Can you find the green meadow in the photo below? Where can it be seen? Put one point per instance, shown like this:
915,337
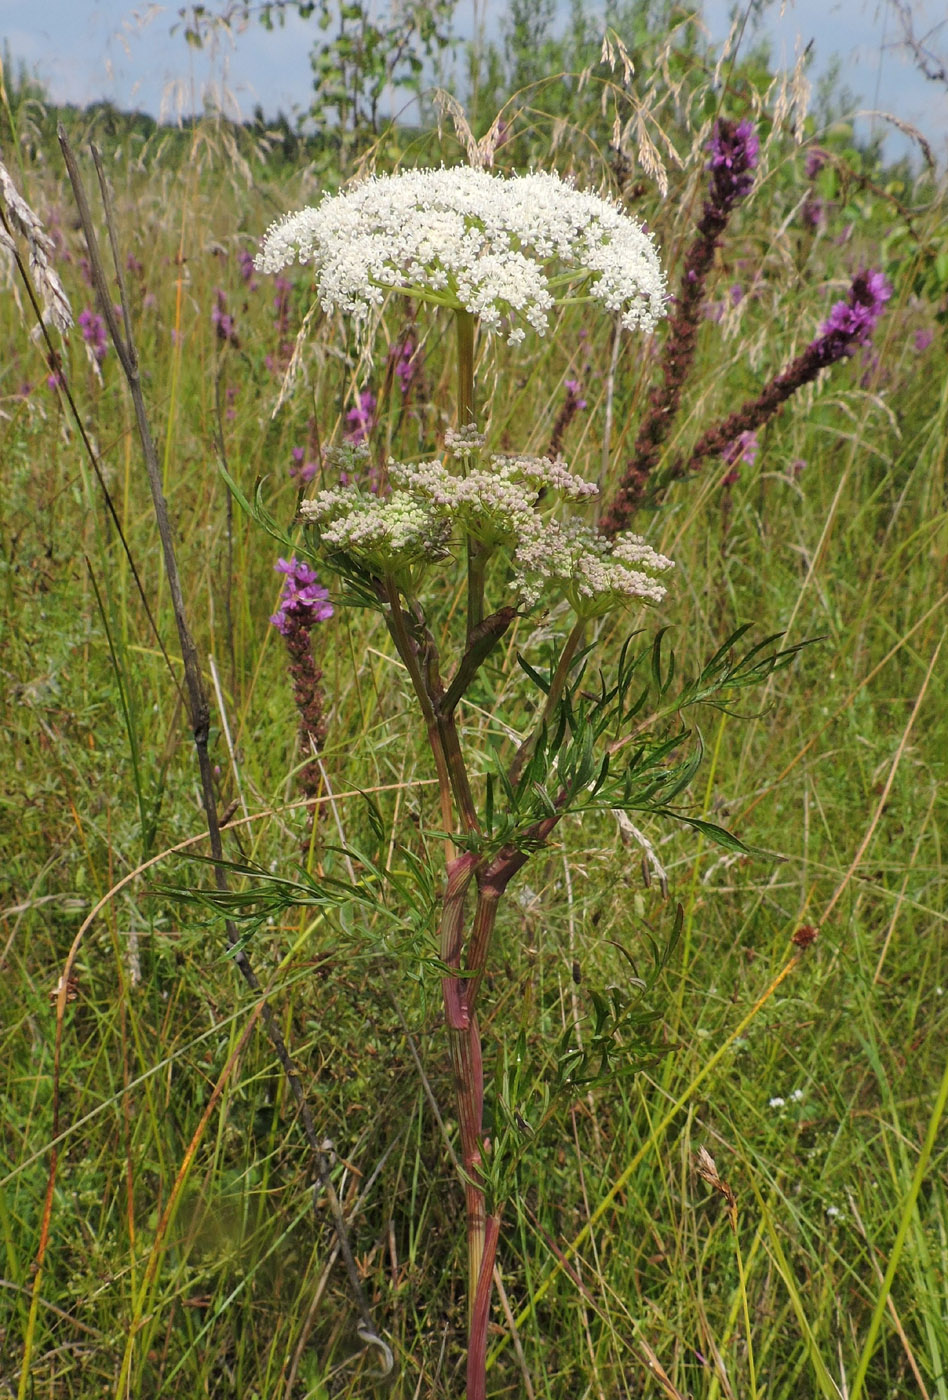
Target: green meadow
159,1232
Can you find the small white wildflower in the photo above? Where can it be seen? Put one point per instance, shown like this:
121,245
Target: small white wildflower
833,1212
776,1102
546,473
505,250
430,507
496,505
464,442
574,560
797,1096
491,508
386,536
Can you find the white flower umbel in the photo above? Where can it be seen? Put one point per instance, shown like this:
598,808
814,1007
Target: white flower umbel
395,536
496,505
506,250
571,559
432,510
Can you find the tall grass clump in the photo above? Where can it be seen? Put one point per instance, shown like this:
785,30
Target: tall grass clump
604,948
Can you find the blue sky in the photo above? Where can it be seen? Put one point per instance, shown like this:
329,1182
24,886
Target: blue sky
88,49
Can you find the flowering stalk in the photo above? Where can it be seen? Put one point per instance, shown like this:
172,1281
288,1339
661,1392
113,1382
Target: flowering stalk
734,150
850,325
499,254
572,404
433,512
303,603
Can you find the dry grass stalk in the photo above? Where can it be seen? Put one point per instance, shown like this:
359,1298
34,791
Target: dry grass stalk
18,217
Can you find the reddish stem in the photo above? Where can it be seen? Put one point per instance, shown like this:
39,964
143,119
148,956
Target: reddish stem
469,1085
480,1314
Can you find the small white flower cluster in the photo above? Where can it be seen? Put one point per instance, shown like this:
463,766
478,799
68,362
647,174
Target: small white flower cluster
464,442
497,506
547,474
573,559
777,1102
386,536
505,250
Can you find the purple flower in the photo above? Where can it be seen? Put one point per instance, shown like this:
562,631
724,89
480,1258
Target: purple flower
922,339
575,391
93,333
222,320
133,265
245,263
816,158
851,322
744,448
303,598
812,212
737,294
408,359
797,467
734,150
301,469
361,419
573,403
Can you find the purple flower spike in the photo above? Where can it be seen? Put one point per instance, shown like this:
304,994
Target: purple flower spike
816,158
93,333
407,357
744,448
361,419
850,325
245,263
303,599
573,403
734,150
575,390
812,212
851,322
222,320
301,469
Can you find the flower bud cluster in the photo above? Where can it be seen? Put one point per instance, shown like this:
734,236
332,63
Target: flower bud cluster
505,250
431,510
